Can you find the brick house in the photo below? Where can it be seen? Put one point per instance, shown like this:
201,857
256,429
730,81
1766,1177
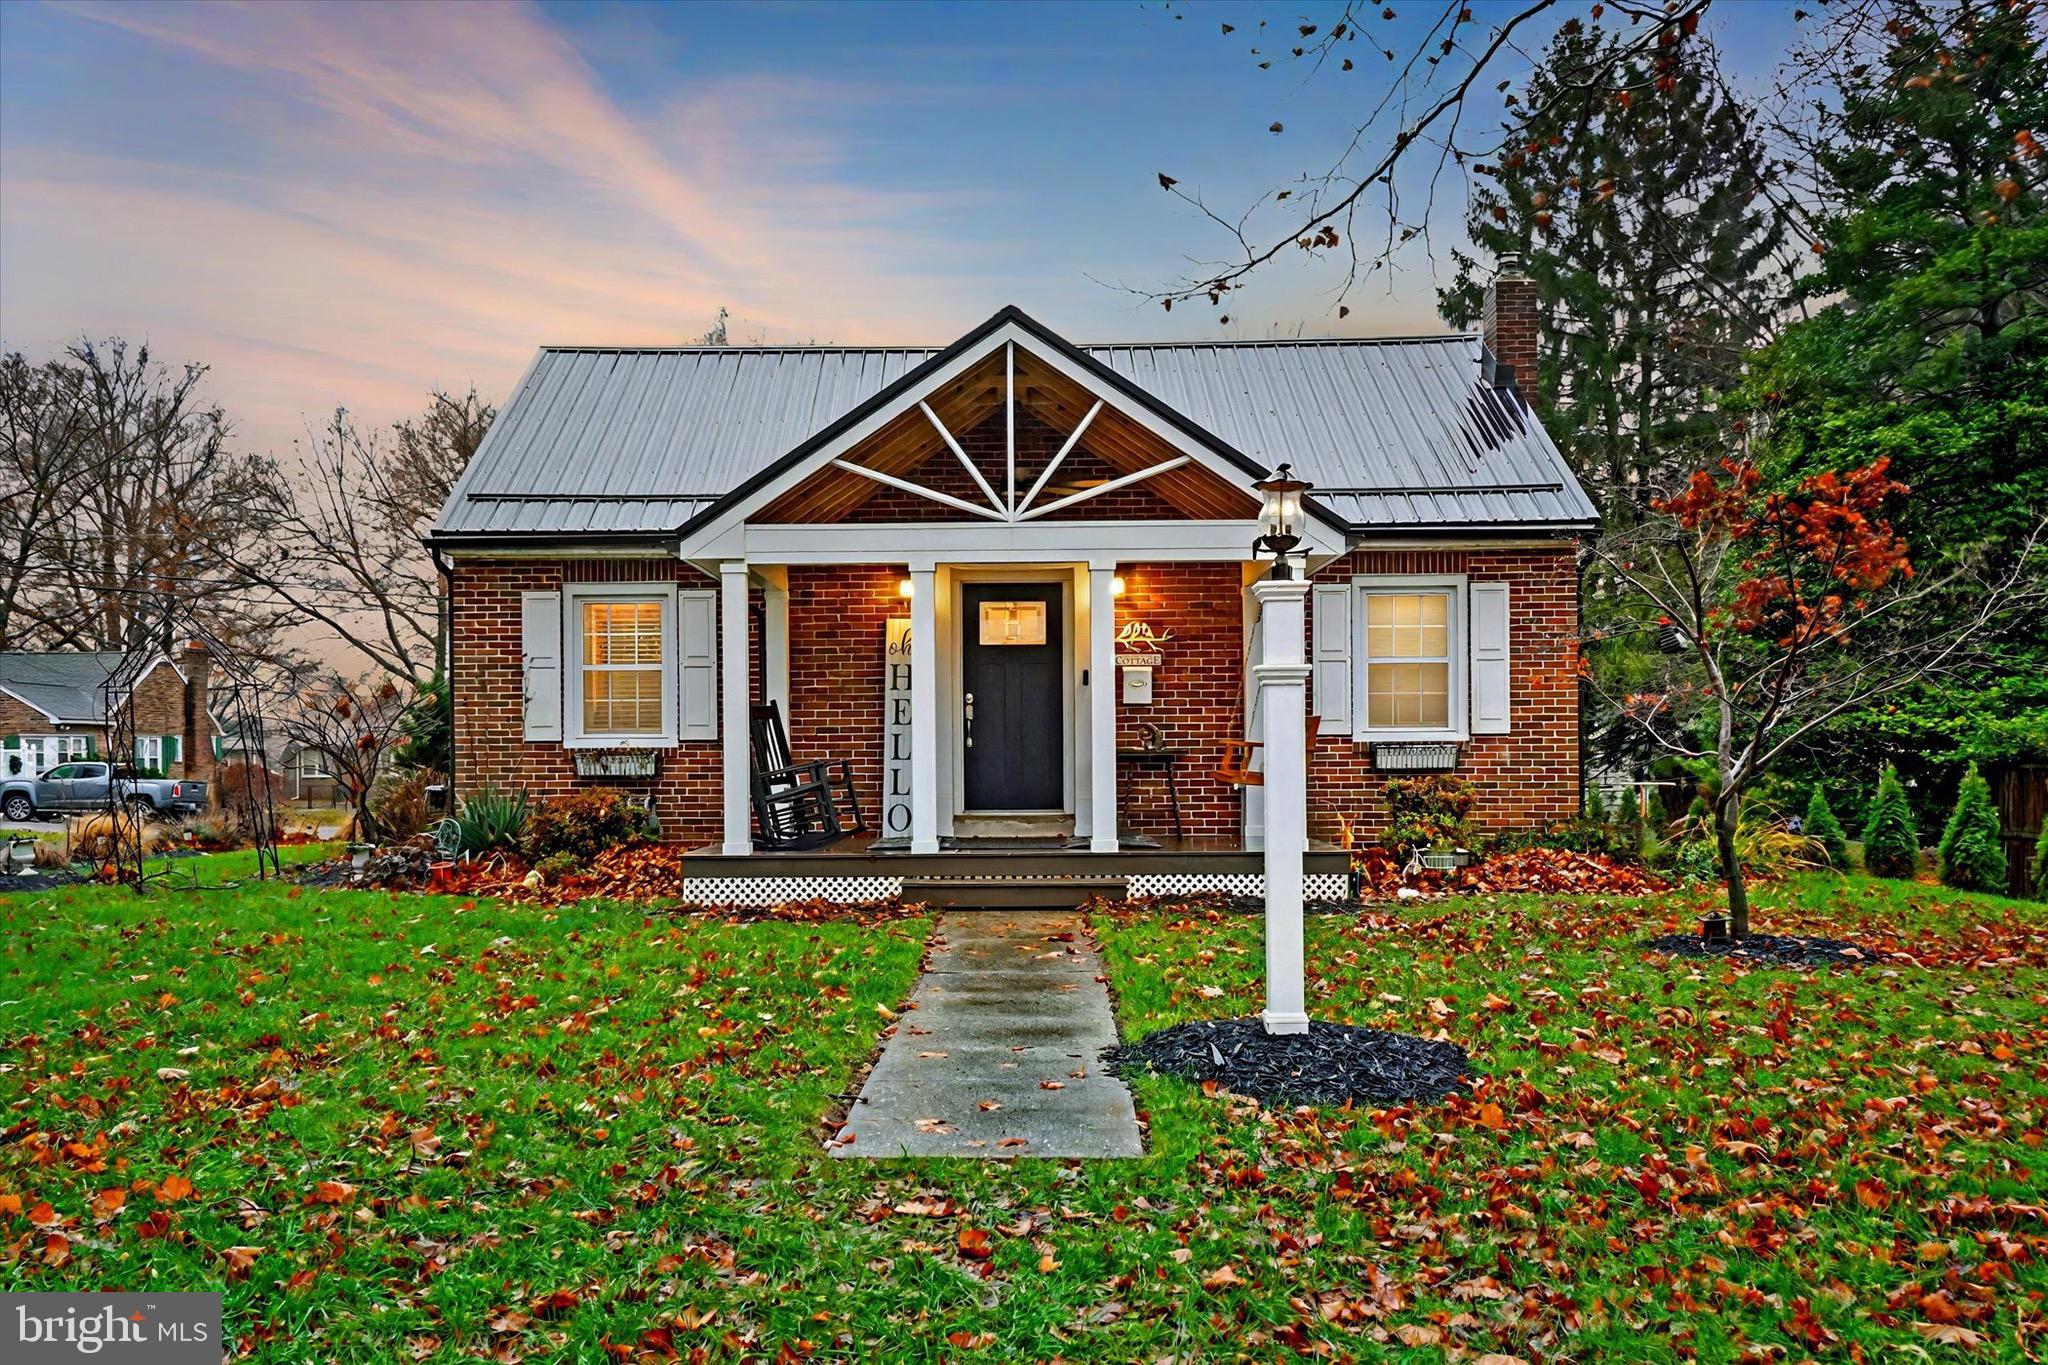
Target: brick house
53,709
1007,582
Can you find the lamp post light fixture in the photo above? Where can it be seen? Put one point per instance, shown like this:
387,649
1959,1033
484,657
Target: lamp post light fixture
1280,519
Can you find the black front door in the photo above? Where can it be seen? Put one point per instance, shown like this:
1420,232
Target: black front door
1013,706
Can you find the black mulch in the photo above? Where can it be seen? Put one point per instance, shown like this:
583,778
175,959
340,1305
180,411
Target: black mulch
1330,1064
46,879
1768,950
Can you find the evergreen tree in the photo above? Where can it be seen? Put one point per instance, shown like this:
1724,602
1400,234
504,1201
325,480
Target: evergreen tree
1891,842
1821,825
1972,856
1654,250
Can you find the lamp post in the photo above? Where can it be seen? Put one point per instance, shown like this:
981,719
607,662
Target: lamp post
1282,677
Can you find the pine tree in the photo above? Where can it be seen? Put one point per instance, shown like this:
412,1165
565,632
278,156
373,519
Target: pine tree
1972,856
1821,825
1654,251
1891,842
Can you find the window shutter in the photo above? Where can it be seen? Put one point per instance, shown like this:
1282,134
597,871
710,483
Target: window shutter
541,666
170,750
1331,640
697,663
1489,658
92,747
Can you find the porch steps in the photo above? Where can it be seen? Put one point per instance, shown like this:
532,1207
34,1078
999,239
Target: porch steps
989,893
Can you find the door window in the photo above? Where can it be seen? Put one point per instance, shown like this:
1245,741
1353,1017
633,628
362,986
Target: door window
1013,623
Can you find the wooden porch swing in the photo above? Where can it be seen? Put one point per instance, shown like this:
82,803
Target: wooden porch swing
1235,767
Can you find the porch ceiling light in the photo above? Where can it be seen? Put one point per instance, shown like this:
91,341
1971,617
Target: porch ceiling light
1280,519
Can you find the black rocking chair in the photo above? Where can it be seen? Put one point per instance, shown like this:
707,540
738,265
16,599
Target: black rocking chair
798,805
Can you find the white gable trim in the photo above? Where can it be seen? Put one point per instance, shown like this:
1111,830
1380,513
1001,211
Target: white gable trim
716,537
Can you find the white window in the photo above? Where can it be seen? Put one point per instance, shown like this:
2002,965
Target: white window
622,688
1410,657
312,763
69,747
149,752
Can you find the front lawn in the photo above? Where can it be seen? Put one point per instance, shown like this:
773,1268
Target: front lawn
415,1127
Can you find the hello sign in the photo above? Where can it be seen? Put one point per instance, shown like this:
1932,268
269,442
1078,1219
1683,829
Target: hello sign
896,728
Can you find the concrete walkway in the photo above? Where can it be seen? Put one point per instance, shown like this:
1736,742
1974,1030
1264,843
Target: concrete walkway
999,1056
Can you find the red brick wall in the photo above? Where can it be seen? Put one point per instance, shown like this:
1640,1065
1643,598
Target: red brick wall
489,722
836,625
838,619
1197,694
1527,777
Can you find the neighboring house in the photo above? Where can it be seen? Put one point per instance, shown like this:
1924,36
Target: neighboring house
651,539
53,709
309,777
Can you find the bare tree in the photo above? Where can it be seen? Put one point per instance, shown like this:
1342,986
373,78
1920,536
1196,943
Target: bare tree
1355,206
350,511
352,724
45,425
145,504
1780,612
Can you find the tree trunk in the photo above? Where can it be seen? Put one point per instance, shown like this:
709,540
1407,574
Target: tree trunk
1727,817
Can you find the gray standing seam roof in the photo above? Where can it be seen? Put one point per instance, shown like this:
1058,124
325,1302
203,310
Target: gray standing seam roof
65,685
1394,433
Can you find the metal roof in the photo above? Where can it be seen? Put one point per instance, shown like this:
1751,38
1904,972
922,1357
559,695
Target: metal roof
1395,433
66,686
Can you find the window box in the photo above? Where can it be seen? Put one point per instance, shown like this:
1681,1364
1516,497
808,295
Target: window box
1414,758
618,762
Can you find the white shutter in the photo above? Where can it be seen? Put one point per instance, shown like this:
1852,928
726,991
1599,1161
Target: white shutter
1331,641
1489,658
541,663
697,662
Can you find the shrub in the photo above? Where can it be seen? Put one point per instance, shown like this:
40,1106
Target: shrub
1823,828
1698,861
1429,810
245,793
1623,841
1891,842
489,820
556,866
2041,864
1972,856
583,824
400,805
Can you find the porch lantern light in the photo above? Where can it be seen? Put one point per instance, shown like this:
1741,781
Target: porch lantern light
1280,520
1116,586
904,589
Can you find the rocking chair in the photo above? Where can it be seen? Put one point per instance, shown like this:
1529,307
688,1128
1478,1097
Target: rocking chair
798,805
1235,766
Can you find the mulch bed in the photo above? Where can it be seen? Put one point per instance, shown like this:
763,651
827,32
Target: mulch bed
1766,950
1330,1064
46,879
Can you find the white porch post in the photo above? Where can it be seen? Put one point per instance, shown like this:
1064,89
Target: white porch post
734,729
1282,674
1102,836
924,711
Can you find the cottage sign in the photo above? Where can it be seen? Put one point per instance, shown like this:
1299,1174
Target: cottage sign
1137,645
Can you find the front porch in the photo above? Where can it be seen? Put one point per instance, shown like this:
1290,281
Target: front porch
997,872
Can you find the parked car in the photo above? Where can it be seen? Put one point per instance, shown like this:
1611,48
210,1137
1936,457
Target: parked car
83,787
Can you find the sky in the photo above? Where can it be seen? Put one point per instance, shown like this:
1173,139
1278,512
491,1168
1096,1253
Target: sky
354,204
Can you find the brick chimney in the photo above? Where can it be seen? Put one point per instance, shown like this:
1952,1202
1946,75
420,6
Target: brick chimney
197,741
1508,325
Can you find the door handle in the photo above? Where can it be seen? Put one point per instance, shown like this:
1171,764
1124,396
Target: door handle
967,713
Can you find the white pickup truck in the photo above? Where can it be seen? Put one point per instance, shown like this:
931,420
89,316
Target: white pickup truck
72,787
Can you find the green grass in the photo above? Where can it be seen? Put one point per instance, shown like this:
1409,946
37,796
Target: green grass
554,1131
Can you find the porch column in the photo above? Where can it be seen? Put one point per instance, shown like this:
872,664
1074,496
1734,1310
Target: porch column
1282,675
924,711
734,727
1102,836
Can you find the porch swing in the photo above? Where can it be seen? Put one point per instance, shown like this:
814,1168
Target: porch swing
1235,767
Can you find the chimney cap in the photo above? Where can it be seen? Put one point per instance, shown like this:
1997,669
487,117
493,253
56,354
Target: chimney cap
194,647
1509,266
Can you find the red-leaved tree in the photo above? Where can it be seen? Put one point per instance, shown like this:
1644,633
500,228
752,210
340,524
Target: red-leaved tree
1776,612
